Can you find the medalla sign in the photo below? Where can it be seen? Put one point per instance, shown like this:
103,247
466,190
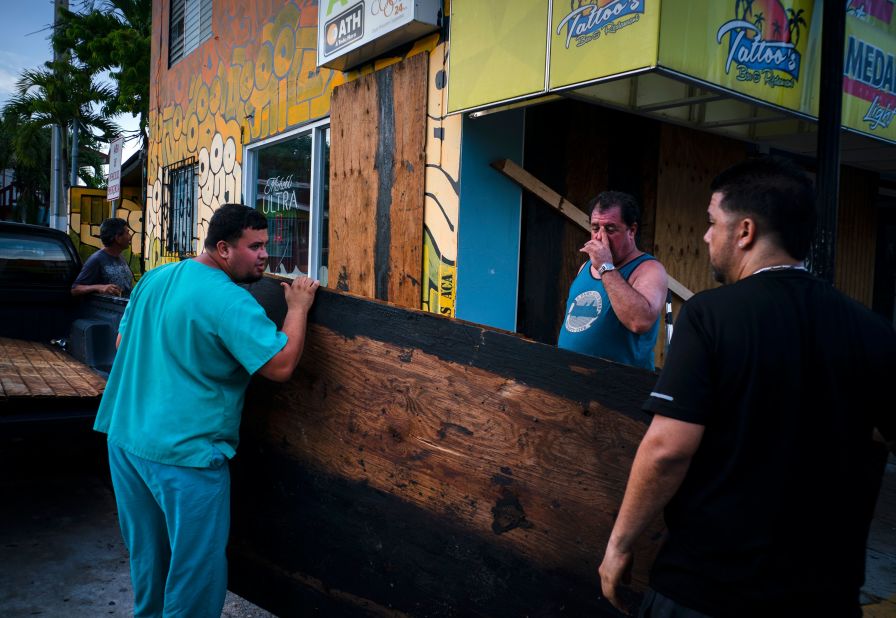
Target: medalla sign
351,32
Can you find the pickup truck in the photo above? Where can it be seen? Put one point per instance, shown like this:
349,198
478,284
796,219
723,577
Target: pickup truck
55,350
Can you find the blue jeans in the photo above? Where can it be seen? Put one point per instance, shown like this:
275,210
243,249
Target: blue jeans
175,522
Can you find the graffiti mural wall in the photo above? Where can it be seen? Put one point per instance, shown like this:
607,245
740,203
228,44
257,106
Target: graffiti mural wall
89,208
256,77
443,135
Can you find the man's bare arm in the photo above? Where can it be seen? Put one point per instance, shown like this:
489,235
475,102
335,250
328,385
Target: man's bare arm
639,301
659,468
98,288
299,298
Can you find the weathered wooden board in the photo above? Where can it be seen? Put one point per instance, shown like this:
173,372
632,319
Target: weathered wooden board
30,369
856,234
688,161
377,169
417,465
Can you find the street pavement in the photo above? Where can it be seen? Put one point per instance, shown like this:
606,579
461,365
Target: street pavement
61,552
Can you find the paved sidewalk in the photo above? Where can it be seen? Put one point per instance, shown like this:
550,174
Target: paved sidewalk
61,552
879,592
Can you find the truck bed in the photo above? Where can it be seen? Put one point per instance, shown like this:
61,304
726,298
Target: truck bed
38,381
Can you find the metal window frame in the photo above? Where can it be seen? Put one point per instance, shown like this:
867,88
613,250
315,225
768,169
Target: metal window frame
179,225
317,130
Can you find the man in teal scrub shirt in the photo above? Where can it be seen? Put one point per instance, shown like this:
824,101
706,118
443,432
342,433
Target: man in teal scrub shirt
189,341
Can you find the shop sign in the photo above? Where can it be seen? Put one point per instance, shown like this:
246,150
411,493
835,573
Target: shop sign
757,48
869,69
351,32
595,40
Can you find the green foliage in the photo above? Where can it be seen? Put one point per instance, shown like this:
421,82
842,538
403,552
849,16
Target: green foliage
25,148
113,36
61,93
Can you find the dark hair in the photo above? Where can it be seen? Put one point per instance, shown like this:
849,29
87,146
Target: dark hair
778,194
230,220
110,228
628,205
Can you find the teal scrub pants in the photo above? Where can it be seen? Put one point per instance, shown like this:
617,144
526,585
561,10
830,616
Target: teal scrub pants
175,522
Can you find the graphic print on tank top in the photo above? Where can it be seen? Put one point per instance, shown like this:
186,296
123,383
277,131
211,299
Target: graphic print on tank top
583,311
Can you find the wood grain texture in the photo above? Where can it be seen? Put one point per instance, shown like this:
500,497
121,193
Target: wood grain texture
377,168
29,369
405,250
434,467
856,234
688,162
353,186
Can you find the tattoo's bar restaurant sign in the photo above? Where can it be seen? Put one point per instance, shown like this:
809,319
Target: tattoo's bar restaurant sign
351,32
766,51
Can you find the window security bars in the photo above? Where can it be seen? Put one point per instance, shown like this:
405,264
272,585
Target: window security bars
179,209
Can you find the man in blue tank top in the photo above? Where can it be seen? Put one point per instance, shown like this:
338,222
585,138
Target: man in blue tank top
614,304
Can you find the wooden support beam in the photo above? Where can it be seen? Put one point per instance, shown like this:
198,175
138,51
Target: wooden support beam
532,184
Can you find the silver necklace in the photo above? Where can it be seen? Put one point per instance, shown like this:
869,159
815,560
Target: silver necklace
781,267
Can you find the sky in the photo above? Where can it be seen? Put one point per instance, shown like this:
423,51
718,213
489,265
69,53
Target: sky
24,44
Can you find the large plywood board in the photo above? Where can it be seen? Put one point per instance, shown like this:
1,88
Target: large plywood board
377,168
419,465
689,160
856,234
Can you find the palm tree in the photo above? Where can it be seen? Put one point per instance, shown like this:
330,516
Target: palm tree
113,36
776,30
26,150
748,8
61,94
794,21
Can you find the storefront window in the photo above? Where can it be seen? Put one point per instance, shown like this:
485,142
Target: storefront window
290,189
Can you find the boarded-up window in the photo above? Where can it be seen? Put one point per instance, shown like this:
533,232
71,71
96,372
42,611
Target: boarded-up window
190,24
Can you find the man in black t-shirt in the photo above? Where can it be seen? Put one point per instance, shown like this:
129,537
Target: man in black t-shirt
761,449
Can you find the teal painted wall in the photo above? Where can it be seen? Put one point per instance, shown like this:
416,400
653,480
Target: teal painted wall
488,241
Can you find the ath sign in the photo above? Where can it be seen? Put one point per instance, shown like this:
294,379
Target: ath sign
351,32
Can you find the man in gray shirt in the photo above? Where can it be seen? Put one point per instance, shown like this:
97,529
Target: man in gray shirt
106,272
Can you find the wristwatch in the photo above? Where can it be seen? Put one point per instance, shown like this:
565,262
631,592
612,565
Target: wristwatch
604,268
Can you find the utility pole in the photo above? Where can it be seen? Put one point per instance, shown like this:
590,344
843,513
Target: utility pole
58,208
76,129
830,106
